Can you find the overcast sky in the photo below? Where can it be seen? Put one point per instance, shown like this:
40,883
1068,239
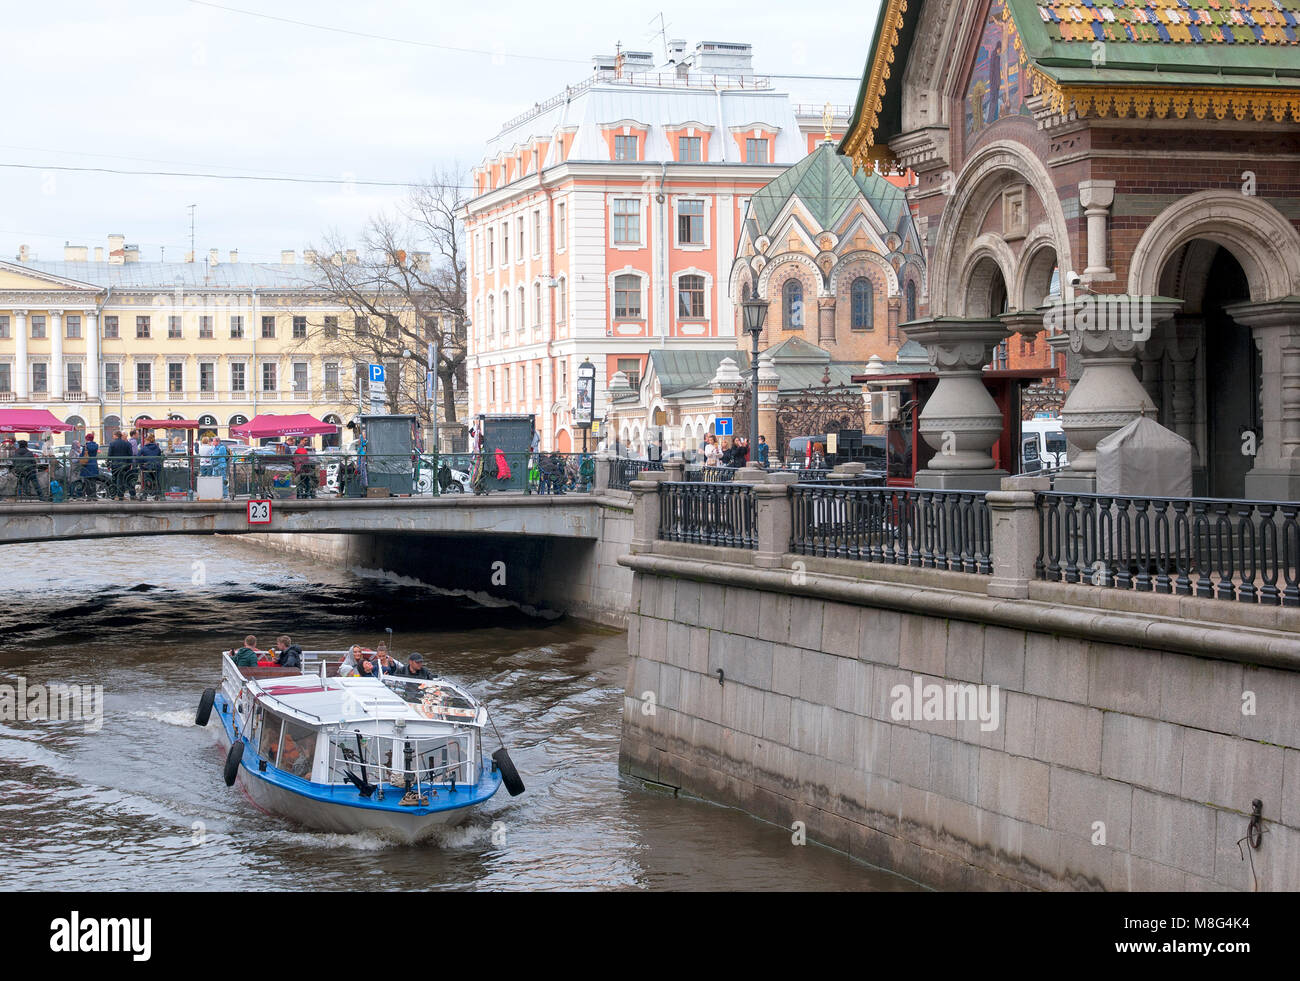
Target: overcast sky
185,86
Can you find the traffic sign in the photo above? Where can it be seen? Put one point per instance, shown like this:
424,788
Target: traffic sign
259,512
376,374
722,427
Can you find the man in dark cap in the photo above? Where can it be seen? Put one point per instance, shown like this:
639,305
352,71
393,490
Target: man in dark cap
414,668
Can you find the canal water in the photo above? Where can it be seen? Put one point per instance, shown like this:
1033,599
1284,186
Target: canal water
140,804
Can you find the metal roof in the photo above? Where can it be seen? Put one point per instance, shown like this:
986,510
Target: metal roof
188,275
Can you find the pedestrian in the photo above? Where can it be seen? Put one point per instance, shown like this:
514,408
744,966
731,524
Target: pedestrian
762,452
217,463
89,473
710,450
205,456
120,459
151,465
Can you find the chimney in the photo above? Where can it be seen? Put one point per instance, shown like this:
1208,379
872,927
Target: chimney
288,258
116,249
352,257
75,253
23,253
99,253
131,253
234,255
212,257
309,256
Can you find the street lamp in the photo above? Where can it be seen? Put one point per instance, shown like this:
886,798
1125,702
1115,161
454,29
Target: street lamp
755,312
585,411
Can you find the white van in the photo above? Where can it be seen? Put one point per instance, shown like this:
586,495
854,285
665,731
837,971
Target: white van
1042,446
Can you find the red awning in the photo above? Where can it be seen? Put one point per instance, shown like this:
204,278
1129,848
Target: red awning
270,424
32,421
167,424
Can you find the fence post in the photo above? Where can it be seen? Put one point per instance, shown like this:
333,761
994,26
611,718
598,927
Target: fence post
601,484
674,471
1014,533
774,520
645,511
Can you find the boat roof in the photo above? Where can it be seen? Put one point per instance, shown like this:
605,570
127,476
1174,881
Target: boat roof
345,701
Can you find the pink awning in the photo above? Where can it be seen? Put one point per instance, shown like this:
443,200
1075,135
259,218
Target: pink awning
269,424
31,421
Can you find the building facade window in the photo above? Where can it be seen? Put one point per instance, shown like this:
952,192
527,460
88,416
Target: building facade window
268,328
4,328
523,309
690,223
173,327
6,379
627,297
268,377
690,297
236,328
74,379
207,376
563,229
537,232
112,377
144,378
175,377
110,328
492,316
142,327
300,327
792,305
627,221
300,377
505,314
911,300
72,327
632,368
564,378
331,328
625,148
537,304
756,151
331,378
863,304
561,301
238,377
206,328
505,244
38,326
40,377
688,149
519,235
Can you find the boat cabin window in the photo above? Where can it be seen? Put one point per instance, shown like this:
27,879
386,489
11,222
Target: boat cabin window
266,731
297,749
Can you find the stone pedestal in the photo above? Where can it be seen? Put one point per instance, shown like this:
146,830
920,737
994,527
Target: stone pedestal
774,520
1107,333
961,422
1276,326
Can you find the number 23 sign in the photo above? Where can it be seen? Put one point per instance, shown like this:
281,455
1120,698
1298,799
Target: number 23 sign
259,512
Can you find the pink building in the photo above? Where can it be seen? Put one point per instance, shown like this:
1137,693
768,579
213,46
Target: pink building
605,220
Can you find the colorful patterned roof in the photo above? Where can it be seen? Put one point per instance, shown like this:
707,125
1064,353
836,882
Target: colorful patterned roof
1255,22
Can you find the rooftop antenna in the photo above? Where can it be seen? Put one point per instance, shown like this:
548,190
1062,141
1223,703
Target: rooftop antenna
618,59
192,207
663,34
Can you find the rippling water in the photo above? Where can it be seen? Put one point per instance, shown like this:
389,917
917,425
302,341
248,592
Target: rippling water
140,804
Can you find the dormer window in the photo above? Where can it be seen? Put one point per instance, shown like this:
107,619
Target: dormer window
625,148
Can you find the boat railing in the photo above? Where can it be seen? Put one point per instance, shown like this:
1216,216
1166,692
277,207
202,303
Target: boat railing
345,757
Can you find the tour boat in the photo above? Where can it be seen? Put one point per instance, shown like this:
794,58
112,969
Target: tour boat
392,755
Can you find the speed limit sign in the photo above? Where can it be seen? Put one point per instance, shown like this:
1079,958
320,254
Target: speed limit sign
259,512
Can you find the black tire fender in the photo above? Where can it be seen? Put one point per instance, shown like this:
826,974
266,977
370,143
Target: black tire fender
205,706
233,757
509,775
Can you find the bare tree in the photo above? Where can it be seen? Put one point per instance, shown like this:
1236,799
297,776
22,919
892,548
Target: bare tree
404,287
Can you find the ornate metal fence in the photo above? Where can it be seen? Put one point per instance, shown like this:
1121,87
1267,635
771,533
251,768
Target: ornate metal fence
622,472
713,513
929,529
1248,551
711,475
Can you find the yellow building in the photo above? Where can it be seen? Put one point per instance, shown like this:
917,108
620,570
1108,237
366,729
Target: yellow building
102,343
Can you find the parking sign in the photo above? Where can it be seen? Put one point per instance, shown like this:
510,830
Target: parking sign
376,374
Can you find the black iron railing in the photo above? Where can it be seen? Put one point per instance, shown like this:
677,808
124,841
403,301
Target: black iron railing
710,475
622,472
1248,551
929,529
709,513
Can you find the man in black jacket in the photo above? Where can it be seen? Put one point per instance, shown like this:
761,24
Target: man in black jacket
414,669
120,459
288,654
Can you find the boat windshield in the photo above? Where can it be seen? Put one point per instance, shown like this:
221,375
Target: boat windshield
434,699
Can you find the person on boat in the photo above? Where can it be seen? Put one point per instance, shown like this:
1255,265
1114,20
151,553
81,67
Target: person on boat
414,668
246,656
288,654
358,664
386,660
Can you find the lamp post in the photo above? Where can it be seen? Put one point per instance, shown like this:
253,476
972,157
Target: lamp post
584,412
755,312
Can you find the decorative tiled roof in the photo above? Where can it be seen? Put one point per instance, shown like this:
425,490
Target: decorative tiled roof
1263,22
826,185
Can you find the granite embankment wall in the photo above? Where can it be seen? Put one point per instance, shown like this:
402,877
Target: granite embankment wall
578,576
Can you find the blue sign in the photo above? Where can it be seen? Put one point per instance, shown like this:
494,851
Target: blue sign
376,374
722,427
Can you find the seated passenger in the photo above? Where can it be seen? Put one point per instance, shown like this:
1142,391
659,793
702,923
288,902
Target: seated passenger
358,664
414,668
246,656
288,654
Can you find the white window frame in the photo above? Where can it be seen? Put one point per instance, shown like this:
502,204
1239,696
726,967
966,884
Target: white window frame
198,381
642,224
707,221
644,279
708,297
561,226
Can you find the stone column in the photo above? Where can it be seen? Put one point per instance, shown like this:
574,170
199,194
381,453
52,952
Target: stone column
961,422
56,355
20,354
1107,333
825,320
93,368
645,512
1182,343
1276,326
1096,197
1015,536
774,520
